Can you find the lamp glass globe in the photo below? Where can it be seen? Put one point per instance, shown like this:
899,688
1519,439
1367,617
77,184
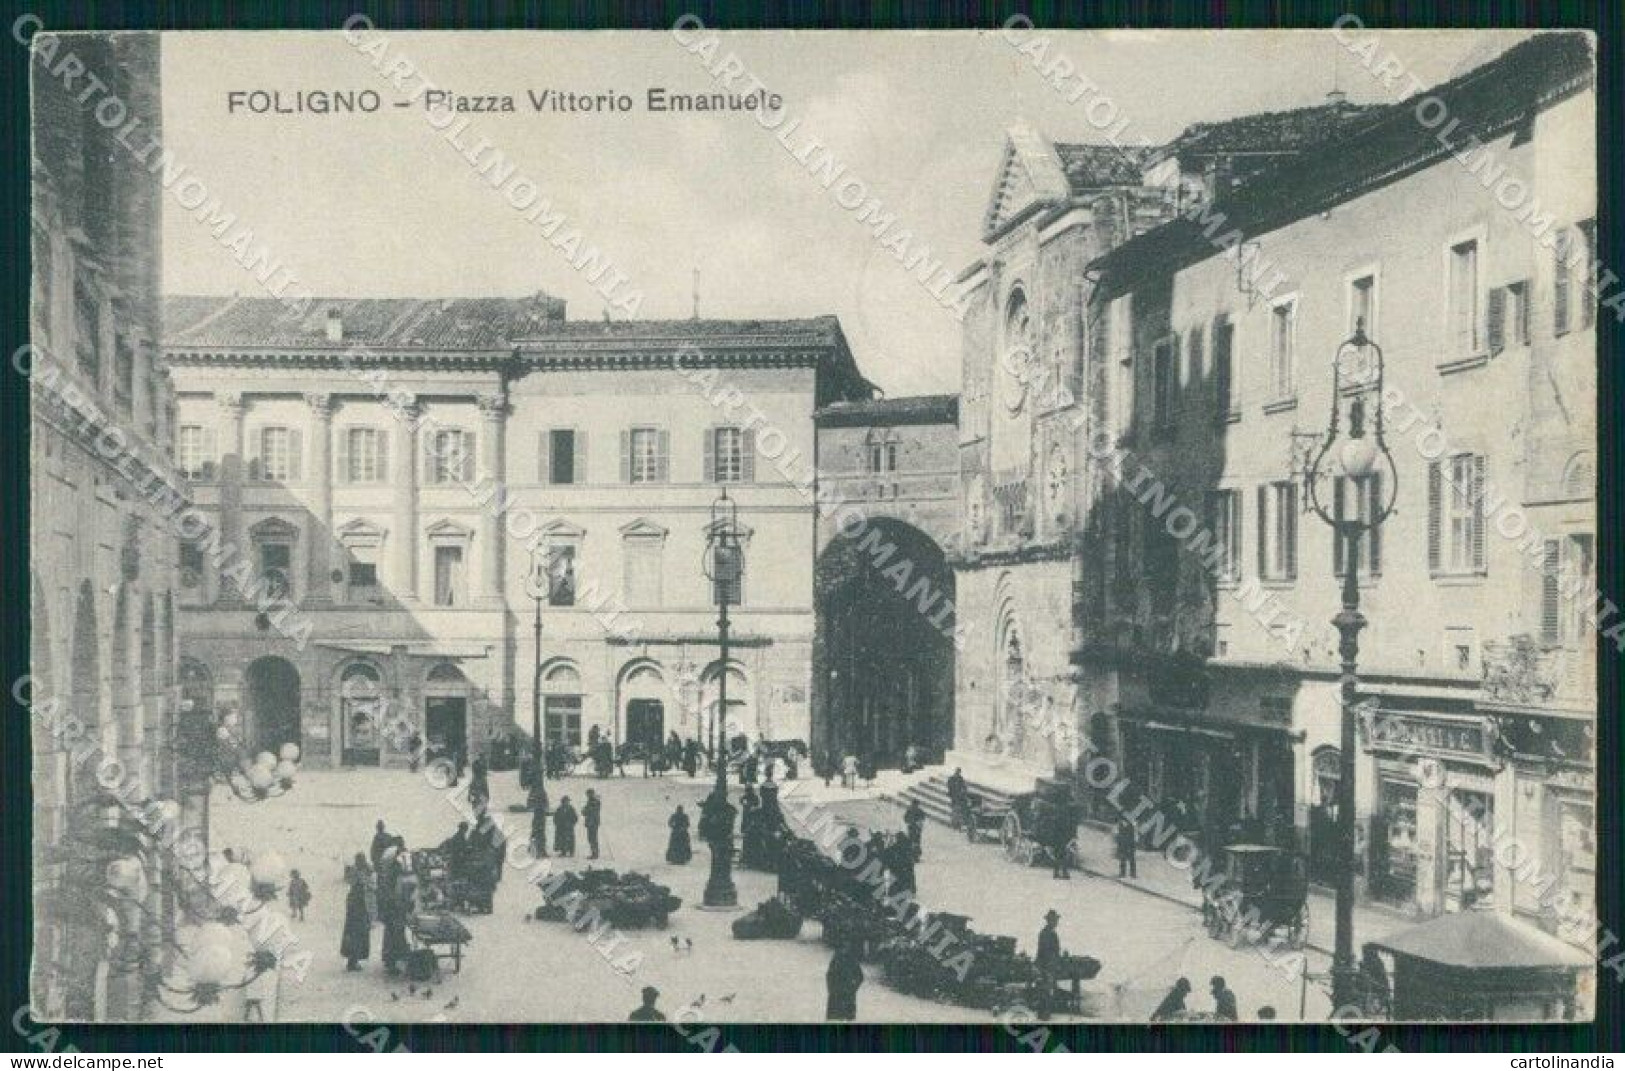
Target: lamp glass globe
1358,457
289,752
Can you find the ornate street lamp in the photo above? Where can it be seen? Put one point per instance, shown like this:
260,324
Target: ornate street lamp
225,759
724,566
1354,454
541,584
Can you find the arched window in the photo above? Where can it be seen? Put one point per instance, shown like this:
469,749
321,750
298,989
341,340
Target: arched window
1327,764
561,705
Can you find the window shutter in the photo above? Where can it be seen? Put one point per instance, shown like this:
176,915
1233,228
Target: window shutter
382,438
626,456
1289,528
1263,531
747,449
710,453
1339,485
1588,288
470,453
1477,514
255,440
1526,290
1434,481
1497,319
1221,364
580,470
1560,285
437,469
1550,602
341,456
544,452
663,456
295,455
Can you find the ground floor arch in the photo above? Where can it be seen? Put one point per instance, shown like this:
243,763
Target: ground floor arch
273,691
884,652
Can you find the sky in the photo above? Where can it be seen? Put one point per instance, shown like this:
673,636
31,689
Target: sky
382,205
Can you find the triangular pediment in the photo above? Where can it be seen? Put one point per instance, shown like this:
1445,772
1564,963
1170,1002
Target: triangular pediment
562,529
1030,174
643,528
360,531
449,529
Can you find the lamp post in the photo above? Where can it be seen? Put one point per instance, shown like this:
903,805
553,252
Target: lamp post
1354,454
538,762
724,566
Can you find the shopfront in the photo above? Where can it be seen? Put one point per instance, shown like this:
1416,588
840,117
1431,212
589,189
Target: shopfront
1430,838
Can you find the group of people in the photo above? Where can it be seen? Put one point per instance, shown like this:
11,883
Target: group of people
382,889
565,818
1224,1003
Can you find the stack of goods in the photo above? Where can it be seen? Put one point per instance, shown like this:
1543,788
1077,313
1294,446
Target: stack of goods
628,901
773,920
995,974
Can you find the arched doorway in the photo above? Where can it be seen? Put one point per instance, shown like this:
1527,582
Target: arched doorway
884,668
445,709
740,720
361,715
273,704
643,706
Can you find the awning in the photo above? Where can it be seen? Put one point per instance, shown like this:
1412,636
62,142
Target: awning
1199,723
1484,940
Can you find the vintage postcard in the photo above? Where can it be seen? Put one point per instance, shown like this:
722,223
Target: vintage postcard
712,528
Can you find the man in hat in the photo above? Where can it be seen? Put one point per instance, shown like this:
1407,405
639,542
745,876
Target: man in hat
647,1012
591,814
1048,961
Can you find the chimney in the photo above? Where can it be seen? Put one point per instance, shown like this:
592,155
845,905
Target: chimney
335,326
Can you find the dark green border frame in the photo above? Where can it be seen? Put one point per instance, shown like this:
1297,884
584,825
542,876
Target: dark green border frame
1604,17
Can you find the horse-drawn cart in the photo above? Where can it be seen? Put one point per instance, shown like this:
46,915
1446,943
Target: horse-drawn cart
1265,893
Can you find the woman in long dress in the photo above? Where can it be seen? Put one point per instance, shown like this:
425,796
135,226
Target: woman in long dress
356,944
679,850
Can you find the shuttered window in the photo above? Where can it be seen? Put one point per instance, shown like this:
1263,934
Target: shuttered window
1278,530
1456,515
1464,298
645,455
363,455
1223,372
448,456
1551,599
1562,250
1363,495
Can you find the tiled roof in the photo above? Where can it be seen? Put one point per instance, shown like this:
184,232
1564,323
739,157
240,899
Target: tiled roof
1484,103
1271,132
818,329
384,323
1092,167
912,409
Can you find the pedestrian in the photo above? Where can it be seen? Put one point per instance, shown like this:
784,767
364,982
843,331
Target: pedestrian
747,770
911,758
1173,1005
479,786
647,1012
1224,1001
414,749
691,758
1063,827
679,849
958,796
298,894
391,910
1127,843
750,829
363,870
356,943
380,841
914,822
898,858
538,824
1047,961
849,772
591,813
564,828
842,980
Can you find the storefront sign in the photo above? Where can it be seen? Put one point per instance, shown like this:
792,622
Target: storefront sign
1420,733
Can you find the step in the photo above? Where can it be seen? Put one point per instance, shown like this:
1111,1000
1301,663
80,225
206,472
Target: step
931,793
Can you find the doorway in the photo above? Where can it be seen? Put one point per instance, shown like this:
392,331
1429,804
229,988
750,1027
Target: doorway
446,720
645,724
273,702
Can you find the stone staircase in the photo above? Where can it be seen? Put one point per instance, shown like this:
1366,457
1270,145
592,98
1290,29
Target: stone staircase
995,791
